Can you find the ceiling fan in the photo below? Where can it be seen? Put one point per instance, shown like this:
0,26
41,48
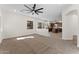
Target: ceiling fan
33,10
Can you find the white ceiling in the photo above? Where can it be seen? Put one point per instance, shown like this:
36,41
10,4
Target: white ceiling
50,11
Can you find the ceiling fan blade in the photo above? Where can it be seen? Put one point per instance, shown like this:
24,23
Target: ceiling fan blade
32,13
37,13
34,6
27,7
39,9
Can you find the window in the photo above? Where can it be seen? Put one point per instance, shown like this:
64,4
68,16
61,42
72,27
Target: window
39,25
29,24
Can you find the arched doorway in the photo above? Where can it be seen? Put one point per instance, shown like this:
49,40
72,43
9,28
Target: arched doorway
70,26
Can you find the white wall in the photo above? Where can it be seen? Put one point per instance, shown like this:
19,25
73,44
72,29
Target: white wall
1,27
75,24
67,29
73,19
70,24
16,25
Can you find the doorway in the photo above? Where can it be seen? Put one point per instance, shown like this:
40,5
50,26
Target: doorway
70,26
